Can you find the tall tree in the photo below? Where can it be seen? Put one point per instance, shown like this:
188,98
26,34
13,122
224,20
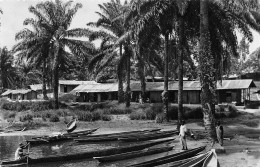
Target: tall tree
7,71
34,45
115,39
207,71
55,19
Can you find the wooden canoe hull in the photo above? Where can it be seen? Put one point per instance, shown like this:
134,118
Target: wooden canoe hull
170,158
71,126
115,137
148,137
91,154
197,161
125,133
133,154
65,137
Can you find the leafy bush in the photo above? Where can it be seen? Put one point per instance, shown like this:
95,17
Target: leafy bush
67,97
138,115
9,114
193,113
83,115
92,106
29,105
54,118
173,112
160,118
150,114
27,117
62,112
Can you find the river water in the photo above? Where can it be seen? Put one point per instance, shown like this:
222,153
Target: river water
9,144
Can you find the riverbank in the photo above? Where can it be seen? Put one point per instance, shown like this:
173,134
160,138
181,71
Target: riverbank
242,145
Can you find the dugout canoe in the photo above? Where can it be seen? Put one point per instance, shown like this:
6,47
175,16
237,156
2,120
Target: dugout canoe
113,137
90,154
133,154
148,137
125,133
211,160
170,158
196,162
80,133
180,162
71,126
54,139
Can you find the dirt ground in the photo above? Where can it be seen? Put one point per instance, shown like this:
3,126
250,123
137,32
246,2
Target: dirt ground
242,146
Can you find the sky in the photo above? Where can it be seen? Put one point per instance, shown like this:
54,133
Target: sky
16,11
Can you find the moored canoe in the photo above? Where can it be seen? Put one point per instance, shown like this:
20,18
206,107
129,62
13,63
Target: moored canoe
211,160
197,161
113,137
170,158
90,154
148,137
54,139
133,154
71,126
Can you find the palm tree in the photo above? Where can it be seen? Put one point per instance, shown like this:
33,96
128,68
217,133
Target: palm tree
54,18
34,45
27,74
112,43
59,17
7,71
221,27
207,71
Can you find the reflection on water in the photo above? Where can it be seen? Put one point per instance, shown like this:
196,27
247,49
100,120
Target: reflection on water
9,144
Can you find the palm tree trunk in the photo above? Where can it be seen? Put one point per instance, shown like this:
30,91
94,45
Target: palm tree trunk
141,73
56,79
128,90
180,72
165,92
120,81
44,91
207,73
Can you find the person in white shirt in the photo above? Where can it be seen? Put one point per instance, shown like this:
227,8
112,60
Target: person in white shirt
183,132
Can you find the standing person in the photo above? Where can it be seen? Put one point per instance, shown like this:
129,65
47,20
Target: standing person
219,131
19,154
183,131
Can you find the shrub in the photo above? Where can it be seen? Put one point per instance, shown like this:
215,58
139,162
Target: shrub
106,117
27,105
62,112
9,114
157,107
27,117
173,112
193,113
137,115
83,115
160,118
68,97
47,113
150,114
97,115
233,110
54,118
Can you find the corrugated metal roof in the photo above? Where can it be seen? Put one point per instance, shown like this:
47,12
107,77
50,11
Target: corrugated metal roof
97,87
74,82
236,84
257,84
6,92
159,86
17,91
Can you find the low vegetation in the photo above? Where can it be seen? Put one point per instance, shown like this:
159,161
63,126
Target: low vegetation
42,111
